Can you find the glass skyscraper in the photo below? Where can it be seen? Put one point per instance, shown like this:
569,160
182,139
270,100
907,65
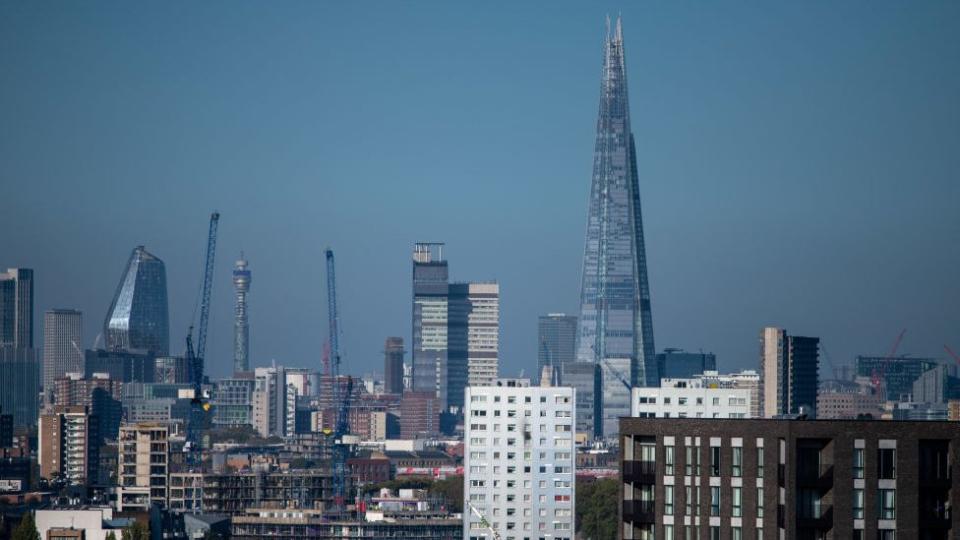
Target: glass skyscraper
615,328
137,318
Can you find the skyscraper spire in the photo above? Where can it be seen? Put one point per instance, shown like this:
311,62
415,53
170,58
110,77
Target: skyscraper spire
615,328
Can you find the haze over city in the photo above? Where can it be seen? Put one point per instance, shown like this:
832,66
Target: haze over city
797,165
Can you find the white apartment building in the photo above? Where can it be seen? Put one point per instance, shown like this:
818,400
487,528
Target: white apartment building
709,395
519,461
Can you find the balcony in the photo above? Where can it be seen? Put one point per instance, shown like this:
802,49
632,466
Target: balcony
643,472
815,477
639,511
823,521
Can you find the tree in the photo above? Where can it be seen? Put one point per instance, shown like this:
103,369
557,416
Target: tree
111,536
27,530
597,508
136,531
451,488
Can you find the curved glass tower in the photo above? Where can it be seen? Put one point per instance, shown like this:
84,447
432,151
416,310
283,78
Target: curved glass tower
137,318
615,328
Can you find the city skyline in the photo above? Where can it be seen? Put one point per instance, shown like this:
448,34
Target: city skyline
731,244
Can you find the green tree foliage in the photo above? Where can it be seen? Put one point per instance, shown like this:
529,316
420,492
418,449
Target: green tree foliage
451,488
597,508
111,536
27,530
137,531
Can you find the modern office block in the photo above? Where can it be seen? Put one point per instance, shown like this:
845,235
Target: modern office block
123,366
241,324
69,441
233,401
615,319
393,365
20,373
519,461
16,308
585,378
62,344
473,338
430,298
556,341
895,375
788,478
137,319
679,364
789,367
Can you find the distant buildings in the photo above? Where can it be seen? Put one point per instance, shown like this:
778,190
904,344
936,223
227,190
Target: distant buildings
143,461
241,324
895,374
100,395
585,379
69,440
19,369
16,308
137,319
615,321
393,365
519,465
233,401
62,345
430,307
678,364
710,395
789,372
419,415
556,341
763,478
123,366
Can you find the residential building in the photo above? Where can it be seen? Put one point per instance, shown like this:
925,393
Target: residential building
519,465
895,374
233,400
556,341
138,318
241,324
258,524
393,365
787,478
62,344
679,364
710,395
584,377
143,465
69,441
99,394
419,415
615,322
88,523
848,404
430,301
234,493
473,337
789,373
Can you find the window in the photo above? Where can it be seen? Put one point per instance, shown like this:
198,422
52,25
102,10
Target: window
886,534
714,533
857,504
736,533
668,532
689,501
737,461
737,502
759,533
696,458
887,463
668,460
714,461
668,500
810,504
888,504
714,500
760,462
759,502
858,462
688,463
648,451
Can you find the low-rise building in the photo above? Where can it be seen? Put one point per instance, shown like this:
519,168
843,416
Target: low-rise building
709,395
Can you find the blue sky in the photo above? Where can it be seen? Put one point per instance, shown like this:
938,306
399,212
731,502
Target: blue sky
798,163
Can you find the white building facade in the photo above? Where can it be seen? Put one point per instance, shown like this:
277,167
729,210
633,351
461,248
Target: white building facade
519,461
710,395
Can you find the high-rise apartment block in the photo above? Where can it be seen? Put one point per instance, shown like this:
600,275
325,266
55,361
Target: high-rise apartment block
99,394
62,345
788,373
69,440
615,326
519,461
241,324
456,329
556,341
143,465
137,319
393,365
788,478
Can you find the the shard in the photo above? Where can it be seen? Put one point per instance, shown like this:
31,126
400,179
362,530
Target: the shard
137,319
615,328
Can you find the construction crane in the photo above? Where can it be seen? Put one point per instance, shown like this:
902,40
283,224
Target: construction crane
341,402
952,354
483,521
616,373
878,376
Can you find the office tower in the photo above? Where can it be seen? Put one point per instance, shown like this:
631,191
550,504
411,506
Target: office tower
62,344
123,366
708,395
677,364
69,440
142,466
172,370
557,341
233,400
419,415
241,326
937,385
100,395
393,365
6,430
787,478
788,372
430,293
519,460
585,378
16,308
473,335
137,318
20,376
615,325
895,374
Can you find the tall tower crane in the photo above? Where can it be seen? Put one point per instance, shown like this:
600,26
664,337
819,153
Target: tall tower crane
341,402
